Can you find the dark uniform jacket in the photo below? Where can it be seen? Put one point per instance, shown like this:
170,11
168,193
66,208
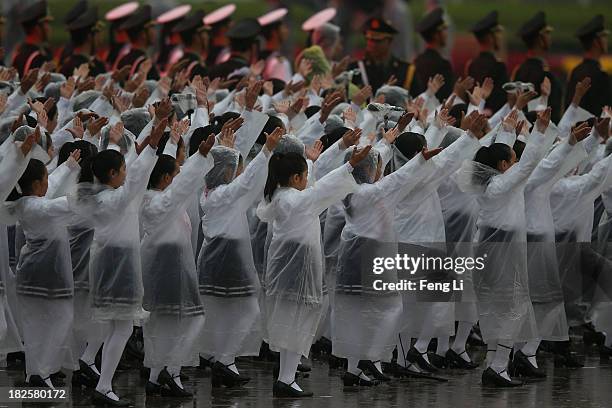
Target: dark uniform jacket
534,70
137,56
487,65
96,67
30,56
427,65
600,93
379,73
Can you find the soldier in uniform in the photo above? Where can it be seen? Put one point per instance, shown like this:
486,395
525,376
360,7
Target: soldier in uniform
489,32
139,28
84,34
118,39
430,62
536,34
220,21
32,53
243,49
79,8
275,33
170,49
379,64
194,36
594,39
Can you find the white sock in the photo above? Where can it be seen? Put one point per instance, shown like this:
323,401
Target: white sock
120,332
352,368
209,358
501,359
463,332
89,355
288,366
175,373
49,382
230,363
421,346
530,349
378,366
443,345
154,374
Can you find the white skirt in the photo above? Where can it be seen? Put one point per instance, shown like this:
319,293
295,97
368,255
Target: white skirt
232,327
47,334
291,325
551,321
426,319
172,341
365,326
10,341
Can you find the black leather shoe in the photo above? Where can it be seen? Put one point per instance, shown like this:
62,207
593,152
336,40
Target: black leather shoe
456,361
604,351
492,379
351,380
282,390
152,389
522,367
170,387
337,362
590,336
416,357
438,361
304,368
59,376
87,371
567,360
222,375
79,379
100,399
205,363
370,368
37,381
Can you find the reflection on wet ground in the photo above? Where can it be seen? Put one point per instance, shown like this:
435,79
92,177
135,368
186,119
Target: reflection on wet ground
590,386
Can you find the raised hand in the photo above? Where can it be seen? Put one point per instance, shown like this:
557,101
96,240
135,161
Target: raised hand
140,97
313,152
74,158
206,145
178,129
511,120
233,124
228,138
163,110
121,103
543,120
392,81
305,67
42,118
95,125
404,121
350,138
545,87
3,101
486,88
30,141
602,126
579,133
257,68
164,85
341,66
391,134
67,88
428,154
77,130
329,103
82,71
434,84
156,133
443,119
523,98
28,81
359,154
134,82
582,87
363,95
350,117
273,138
462,85
116,133
85,85
251,94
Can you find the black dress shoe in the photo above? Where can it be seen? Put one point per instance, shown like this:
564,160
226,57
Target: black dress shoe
205,363
282,390
370,368
89,372
567,360
522,367
416,357
79,379
351,380
304,368
456,361
152,389
59,375
438,361
102,399
170,387
590,336
605,351
222,375
493,379
337,362
37,381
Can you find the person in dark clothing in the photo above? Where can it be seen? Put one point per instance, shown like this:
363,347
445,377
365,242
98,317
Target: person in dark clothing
84,31
244,49
139,28
32,53
594,39
194,36
489,33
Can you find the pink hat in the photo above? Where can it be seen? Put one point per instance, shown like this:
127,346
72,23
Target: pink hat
219,14
173,14
121,11
318,19
272,17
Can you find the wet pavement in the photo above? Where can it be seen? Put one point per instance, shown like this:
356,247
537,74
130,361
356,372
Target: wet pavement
590,386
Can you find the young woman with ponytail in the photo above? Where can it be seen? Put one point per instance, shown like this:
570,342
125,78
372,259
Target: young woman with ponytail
294,270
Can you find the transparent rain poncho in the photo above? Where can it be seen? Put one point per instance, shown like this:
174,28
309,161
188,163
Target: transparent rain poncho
502,284
169,270
229,284
135,120
116,287
419,224
294,270
545,288
365,315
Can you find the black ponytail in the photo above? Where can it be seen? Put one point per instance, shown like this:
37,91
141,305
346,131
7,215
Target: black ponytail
280,169
410,143
35,171
165,165
491,156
